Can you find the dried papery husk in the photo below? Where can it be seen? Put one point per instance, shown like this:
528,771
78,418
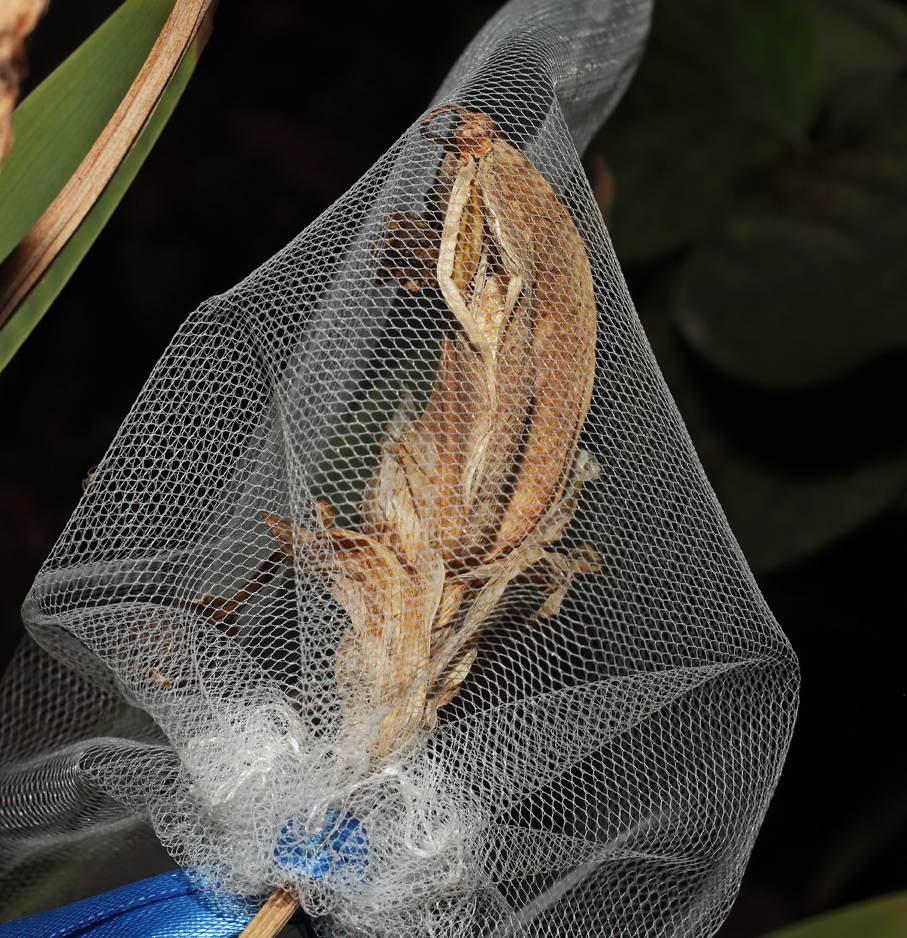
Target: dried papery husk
537,241
467,497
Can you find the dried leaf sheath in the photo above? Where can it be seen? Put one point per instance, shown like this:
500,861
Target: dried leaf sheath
467,496
545,360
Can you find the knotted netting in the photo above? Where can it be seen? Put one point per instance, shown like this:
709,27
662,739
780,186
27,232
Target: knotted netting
401,587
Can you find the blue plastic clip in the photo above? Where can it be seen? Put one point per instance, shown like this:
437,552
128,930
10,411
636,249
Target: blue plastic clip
336,853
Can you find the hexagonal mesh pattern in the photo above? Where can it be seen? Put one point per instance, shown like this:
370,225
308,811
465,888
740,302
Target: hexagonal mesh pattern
401,586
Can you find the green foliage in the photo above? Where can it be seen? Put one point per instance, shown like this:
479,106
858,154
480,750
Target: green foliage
54,129
803,277
760,165
879,918
863,49
723,87
58,122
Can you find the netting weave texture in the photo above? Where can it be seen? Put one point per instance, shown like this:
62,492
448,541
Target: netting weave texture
401,586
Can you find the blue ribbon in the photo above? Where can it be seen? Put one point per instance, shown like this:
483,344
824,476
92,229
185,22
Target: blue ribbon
166,906
171,905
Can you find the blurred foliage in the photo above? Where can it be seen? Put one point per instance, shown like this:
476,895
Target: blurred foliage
253,153
760,213
804,278
879,918
859,843
724,85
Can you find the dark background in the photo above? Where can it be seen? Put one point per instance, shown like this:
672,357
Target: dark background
290,104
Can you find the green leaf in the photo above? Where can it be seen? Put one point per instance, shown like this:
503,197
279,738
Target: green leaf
878,918
777,520
724,85
805,278
74,104
56,125
673,171
780,521
863,47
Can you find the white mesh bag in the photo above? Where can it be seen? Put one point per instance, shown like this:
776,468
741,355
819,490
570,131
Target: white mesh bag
401,587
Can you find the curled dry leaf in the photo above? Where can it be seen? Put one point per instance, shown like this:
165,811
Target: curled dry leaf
18,19
468,496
